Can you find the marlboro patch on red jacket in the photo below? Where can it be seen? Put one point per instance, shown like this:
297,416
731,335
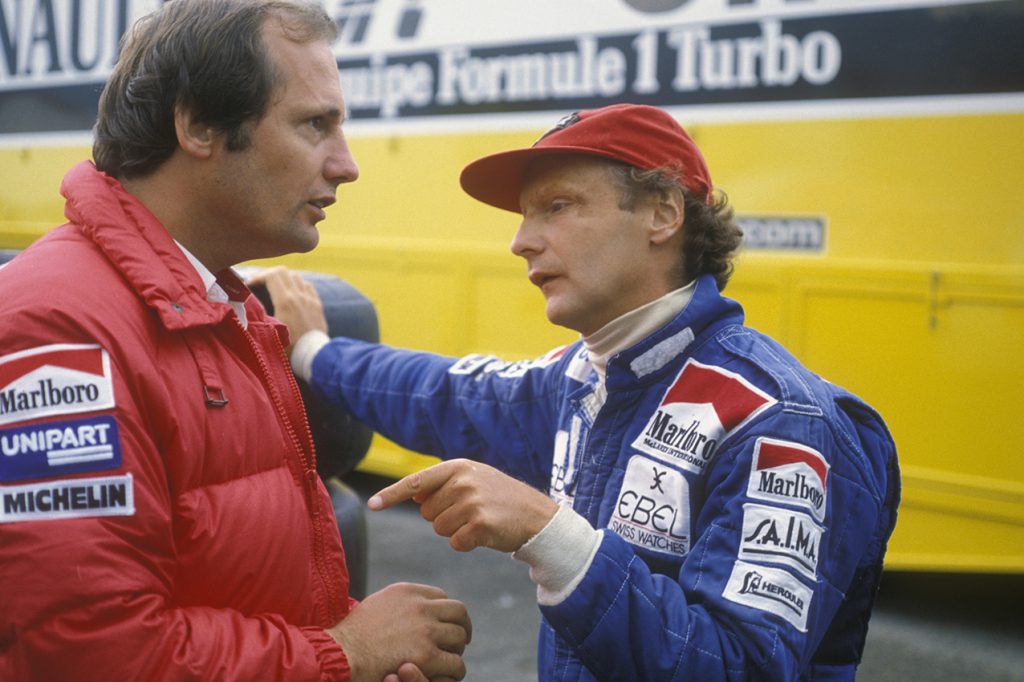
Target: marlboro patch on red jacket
54,380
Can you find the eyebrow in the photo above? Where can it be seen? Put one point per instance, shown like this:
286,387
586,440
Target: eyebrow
326,111
334,112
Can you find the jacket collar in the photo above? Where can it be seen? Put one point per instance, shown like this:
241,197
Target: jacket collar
143,251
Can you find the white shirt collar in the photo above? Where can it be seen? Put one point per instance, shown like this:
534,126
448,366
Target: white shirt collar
630,328
214,292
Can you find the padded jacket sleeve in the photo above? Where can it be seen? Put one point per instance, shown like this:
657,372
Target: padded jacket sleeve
91,597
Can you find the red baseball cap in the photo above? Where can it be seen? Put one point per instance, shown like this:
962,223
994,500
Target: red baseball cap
642,136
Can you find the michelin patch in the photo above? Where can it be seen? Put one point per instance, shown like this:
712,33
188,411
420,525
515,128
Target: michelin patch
59,447
653,507
781,536
789,473
68,499
698,411
54,380
770,589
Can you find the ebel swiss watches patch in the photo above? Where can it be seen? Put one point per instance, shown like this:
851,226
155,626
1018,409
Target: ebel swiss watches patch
58,448
699,410
68,499
791,473
54,380
769,589
653,507
780,535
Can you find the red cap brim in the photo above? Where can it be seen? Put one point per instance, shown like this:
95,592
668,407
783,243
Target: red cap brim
497,179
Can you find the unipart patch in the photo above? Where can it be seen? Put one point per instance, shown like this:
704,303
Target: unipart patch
699,410
790,473
59,447
54,380
68,499
653,507
770,589
782,536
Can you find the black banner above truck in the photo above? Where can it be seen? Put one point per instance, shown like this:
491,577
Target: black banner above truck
404,60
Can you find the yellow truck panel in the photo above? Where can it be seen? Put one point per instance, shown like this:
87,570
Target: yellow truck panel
884,218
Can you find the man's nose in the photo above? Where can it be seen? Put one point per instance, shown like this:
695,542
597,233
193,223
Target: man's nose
340,166
526,240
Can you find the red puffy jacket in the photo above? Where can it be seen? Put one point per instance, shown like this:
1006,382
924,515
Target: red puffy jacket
161,515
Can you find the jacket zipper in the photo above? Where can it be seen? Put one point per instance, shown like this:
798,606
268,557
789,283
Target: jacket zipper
308,469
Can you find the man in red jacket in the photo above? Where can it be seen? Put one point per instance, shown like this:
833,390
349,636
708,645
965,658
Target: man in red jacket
160,511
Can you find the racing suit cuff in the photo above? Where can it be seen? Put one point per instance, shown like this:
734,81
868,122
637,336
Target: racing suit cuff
305,350
559,555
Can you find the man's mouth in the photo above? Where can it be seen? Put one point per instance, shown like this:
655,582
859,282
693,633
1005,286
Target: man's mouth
320,203
540,279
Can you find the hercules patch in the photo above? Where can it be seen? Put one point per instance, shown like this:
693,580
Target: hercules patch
59,447
699,410
54,380
770,589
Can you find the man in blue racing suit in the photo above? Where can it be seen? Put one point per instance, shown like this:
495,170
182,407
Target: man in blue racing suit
712,509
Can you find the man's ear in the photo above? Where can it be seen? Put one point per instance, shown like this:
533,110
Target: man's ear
194,137
667,216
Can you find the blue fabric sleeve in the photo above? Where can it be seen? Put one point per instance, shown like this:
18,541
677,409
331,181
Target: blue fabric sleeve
488,412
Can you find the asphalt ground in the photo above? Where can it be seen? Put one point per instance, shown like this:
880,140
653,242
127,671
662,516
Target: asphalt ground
932,628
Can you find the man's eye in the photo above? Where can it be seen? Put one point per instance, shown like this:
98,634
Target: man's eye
557,206
317,122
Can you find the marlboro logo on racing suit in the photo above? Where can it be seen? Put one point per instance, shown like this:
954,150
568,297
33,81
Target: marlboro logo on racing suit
700,409
54,380
790,473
